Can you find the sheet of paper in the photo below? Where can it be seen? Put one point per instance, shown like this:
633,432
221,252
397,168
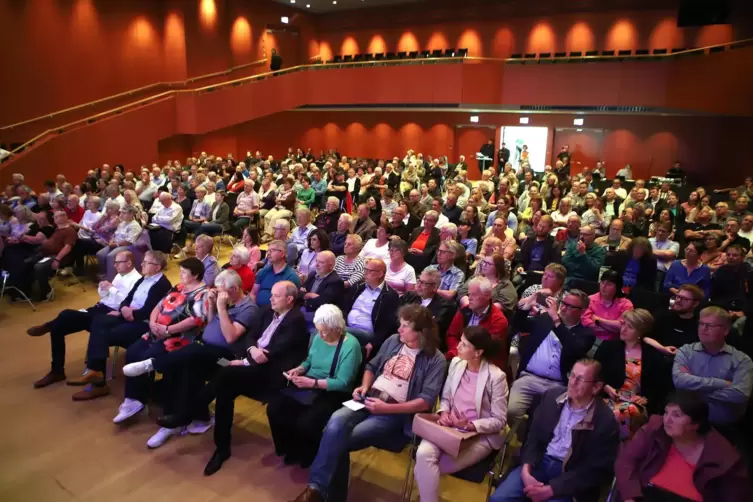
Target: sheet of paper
354,405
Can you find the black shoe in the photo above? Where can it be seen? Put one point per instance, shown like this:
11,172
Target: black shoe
172,421
215,463
305,463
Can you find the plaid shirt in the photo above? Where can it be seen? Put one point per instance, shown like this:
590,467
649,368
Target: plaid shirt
452,278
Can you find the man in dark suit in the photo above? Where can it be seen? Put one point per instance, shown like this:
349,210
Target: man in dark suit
423,242
371,308
486,150
278,344
503,156
325,286
364,226
426,296
123,327
555,341
275,61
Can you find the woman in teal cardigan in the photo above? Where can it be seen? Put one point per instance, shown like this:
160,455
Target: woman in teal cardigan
316,389
306,195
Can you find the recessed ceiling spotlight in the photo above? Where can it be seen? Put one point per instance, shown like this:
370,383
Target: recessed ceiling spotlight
308,5
292,1
334,2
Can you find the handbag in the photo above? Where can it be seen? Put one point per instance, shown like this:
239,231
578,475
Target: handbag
307,397
450,440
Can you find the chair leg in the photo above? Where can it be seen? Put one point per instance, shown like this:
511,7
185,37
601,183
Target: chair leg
408,483
114,362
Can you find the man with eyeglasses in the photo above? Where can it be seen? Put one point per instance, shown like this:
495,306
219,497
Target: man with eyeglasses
276,270
679,325
721,373
572,445
371,308
556,340
122,327
425,294
71,321
452,276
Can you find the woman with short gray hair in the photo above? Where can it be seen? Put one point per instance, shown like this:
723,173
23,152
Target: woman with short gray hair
316,389
350,266
125,236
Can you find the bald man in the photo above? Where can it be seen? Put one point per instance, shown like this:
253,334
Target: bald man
166,222
325,286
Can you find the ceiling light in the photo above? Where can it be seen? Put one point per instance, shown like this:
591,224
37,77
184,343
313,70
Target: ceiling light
474,119
578,122
292,1
523,120
334,2
284,20
308,5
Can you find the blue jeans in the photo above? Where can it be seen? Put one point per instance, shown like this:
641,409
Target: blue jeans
210,229
511,489
348,431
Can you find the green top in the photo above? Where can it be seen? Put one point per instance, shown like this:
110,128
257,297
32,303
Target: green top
306,196
319,362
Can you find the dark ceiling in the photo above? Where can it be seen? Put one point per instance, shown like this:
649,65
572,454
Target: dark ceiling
325,6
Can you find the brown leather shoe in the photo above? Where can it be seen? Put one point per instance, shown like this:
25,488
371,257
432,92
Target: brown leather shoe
40,330
309,495
89,376
49,379
91,392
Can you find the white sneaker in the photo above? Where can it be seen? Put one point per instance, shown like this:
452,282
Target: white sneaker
139,368
200,426
163,435
127,409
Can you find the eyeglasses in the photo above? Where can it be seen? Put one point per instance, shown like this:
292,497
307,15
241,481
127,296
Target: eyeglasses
573,307
446,251
702,325
683,298
150,263
578,378
424,283
121,262
372,270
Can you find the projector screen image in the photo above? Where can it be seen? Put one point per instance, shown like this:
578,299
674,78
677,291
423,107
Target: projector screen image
534,138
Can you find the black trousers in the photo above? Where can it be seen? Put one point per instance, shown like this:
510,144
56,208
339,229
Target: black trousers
185,372
111,331
162,239
82,248
66,323
297,428
253,381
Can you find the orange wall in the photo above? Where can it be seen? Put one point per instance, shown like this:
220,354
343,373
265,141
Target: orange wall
708,147
64,53
517,33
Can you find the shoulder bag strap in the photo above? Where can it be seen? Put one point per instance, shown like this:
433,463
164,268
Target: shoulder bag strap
337,355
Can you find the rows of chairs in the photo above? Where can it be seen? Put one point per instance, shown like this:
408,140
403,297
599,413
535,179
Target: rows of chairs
391,56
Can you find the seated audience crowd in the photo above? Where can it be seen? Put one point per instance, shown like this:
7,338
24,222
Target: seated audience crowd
527,299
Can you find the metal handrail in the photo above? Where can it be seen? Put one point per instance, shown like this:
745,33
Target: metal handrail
135,91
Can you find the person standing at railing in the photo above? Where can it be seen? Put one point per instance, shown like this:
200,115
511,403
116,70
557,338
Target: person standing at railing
276,61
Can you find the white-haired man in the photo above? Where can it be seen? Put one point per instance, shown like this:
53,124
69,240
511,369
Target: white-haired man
166,222
325,286
337,238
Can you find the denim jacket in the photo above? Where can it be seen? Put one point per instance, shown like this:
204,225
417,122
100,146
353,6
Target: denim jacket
427,379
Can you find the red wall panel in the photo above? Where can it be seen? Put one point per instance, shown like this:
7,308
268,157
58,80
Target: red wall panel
585,146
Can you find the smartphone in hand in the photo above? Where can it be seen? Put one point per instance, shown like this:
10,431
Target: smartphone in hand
223,362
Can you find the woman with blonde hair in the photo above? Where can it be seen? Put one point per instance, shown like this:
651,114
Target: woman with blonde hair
637,377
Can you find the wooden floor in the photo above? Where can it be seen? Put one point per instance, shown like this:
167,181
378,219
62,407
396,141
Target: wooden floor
55,450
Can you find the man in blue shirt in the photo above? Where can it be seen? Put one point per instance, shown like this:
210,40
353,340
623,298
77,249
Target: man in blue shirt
276,270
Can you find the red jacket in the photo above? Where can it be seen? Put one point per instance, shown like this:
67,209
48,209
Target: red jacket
720,473
494,321
248,278
76,214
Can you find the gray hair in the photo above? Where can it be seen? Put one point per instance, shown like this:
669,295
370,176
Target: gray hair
159,257
483,285
356,239
303,210
227,278
434,274
207,239
452,245
432,213
346,217
112,204
93,198
283,222
451,228
330,316
243,254
25,211
333,199
130,209
583,297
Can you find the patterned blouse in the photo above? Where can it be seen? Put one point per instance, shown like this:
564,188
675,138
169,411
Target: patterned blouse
178,306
